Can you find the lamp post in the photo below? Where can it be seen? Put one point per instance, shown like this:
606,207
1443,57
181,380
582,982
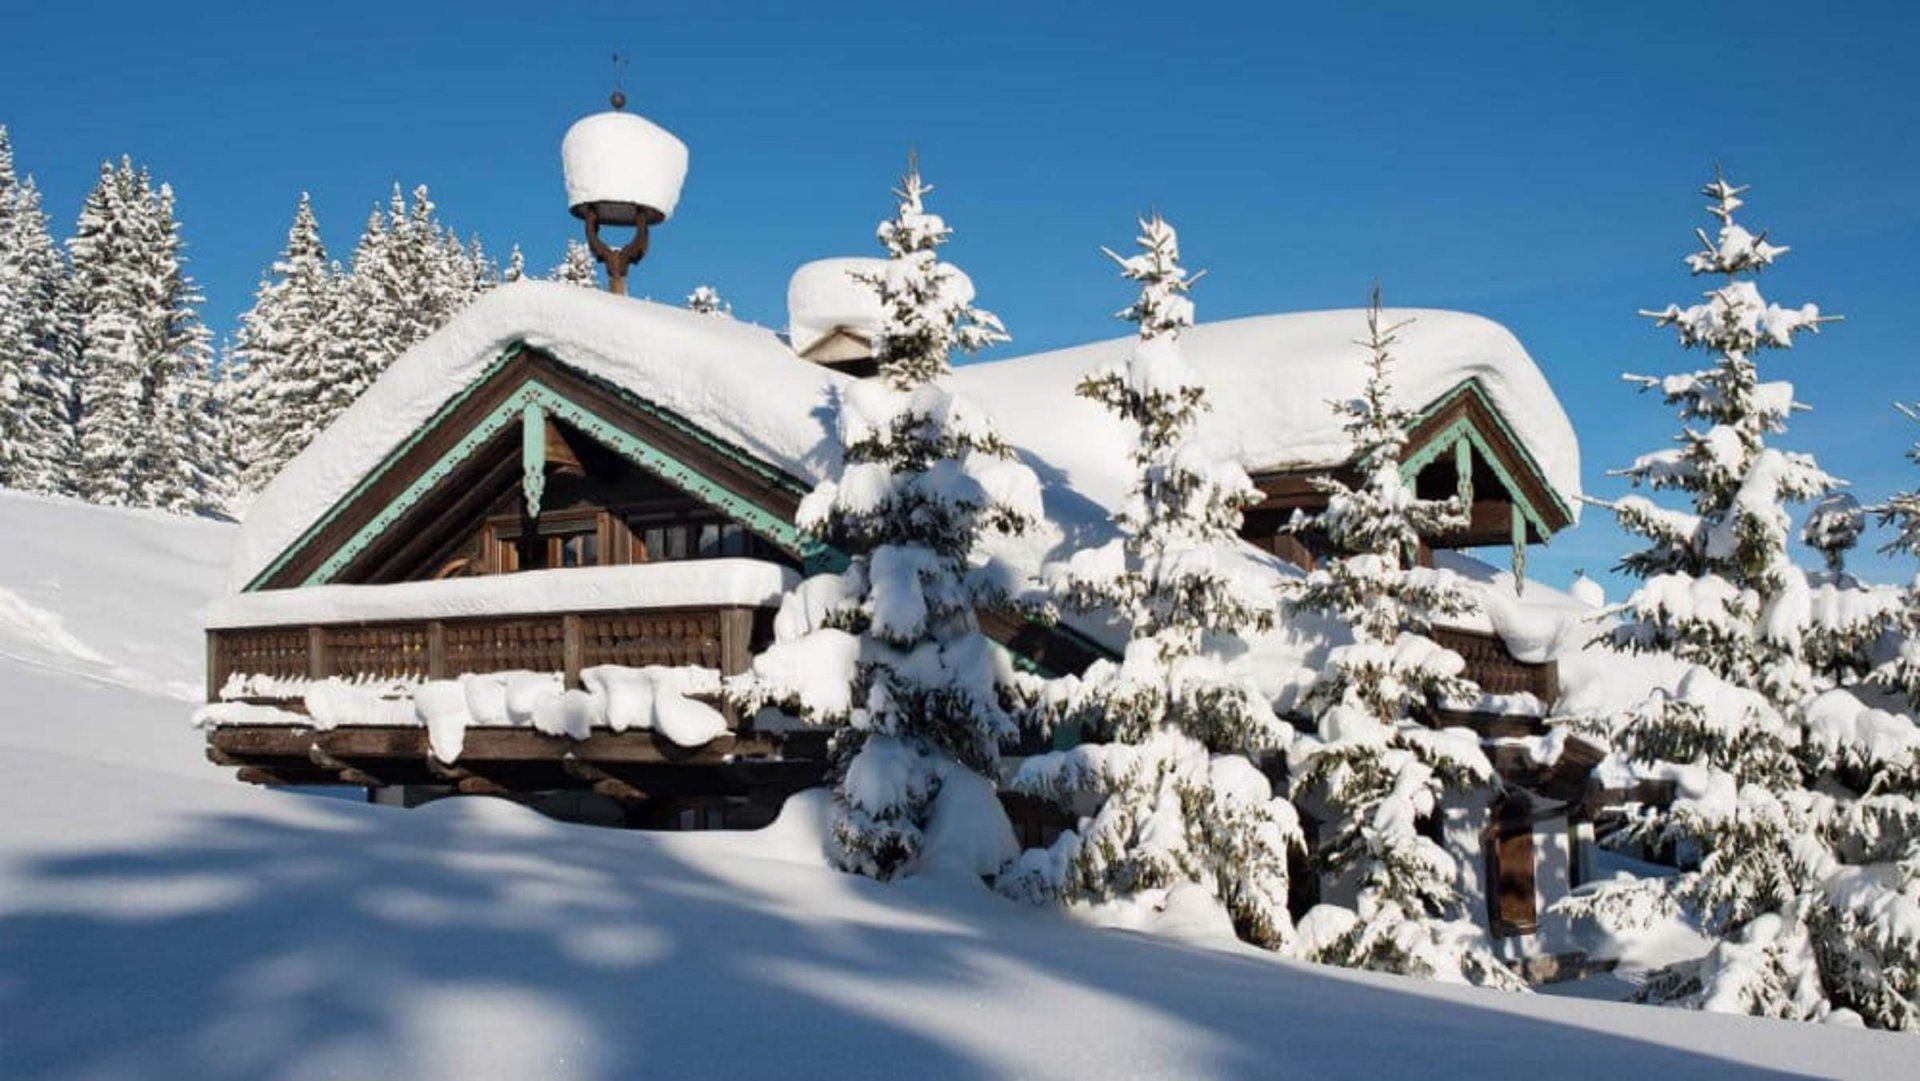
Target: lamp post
624,171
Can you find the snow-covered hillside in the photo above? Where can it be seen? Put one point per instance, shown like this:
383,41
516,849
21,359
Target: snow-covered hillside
160,920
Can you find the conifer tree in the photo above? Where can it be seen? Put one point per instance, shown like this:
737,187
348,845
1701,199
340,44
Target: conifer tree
1902,512
891,648
408,276
286,354
1795,818
1173,732
1373,769
37,341
516,267
577,267
144,359
705,299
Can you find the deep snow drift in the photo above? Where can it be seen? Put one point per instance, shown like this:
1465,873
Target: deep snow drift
160,920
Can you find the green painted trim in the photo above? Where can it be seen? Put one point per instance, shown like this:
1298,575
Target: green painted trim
1478,390
822,557
392,458
777,477
1463,430
533,457
535,398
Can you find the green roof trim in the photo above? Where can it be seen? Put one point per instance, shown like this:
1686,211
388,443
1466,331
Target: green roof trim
374,475
815,555
529,405
1463,429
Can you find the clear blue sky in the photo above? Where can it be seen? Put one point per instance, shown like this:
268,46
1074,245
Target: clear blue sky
1531,162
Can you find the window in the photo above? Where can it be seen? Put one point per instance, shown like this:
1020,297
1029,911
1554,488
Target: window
574,550
657,541
569,540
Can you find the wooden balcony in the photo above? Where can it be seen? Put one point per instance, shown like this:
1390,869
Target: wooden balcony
1497,671
635,767
721,637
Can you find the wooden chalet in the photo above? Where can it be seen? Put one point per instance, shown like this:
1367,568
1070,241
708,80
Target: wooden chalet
563,479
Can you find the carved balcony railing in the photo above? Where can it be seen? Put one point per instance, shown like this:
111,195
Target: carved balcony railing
721,637
635,767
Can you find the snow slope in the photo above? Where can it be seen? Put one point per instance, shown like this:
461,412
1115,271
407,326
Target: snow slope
160,920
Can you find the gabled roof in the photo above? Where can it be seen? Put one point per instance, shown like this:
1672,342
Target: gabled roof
1271,378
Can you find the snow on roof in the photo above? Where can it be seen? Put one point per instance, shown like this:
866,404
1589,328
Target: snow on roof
1271,379
824,294
745,582
735,380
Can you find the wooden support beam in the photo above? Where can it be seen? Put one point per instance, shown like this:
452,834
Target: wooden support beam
602,782
347,773
256,775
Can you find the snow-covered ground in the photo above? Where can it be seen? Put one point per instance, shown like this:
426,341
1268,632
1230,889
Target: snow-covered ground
160,920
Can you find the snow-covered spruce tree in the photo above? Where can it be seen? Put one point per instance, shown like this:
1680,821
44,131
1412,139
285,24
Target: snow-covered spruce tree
1178,803
516,267
1372,769
144,358
408,276
576,267
1901,513
891,648
286,354
1900,673
37,341
1795,816
706,300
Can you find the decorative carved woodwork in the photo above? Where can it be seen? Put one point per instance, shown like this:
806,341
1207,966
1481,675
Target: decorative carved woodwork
724,638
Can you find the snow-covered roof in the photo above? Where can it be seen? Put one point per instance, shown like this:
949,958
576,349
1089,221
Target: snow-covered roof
825,294
743,582
1271,379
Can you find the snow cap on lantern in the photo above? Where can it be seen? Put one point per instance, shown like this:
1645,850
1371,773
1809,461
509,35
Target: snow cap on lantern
624,165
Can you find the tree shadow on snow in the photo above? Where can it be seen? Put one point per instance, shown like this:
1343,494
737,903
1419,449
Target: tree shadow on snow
478,941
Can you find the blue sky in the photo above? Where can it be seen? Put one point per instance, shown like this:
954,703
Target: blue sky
1535,163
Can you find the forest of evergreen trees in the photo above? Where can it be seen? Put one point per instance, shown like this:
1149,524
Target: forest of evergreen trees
113,390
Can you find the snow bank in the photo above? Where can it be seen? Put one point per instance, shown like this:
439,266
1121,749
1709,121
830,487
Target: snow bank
748,582
474,939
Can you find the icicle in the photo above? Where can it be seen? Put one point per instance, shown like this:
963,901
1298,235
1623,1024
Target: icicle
533,457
